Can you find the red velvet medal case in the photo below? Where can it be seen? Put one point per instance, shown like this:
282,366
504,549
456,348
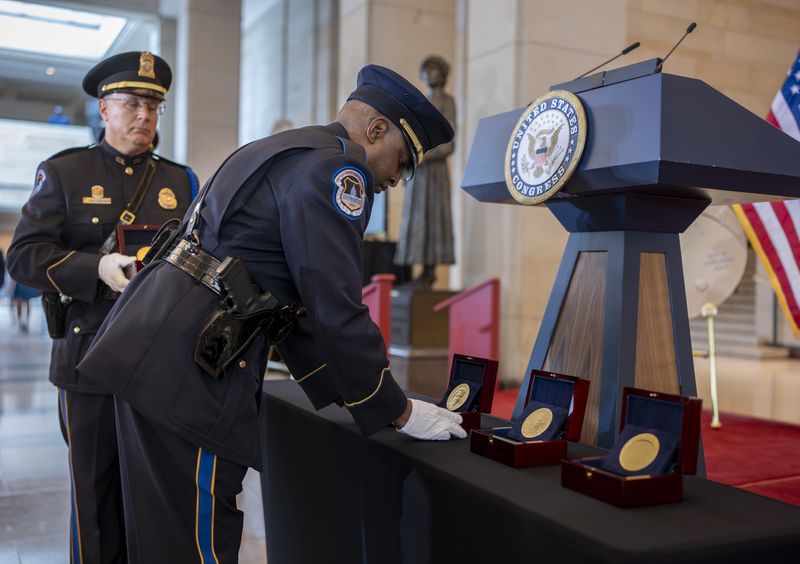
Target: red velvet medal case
675,423
480,374
563,395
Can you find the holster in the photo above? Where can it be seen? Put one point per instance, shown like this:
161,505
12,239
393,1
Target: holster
225,335
244,312
55,312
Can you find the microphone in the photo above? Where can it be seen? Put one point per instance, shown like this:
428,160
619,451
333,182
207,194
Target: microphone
689,30
625,51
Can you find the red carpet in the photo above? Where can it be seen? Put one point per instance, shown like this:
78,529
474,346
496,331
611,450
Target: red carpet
759,456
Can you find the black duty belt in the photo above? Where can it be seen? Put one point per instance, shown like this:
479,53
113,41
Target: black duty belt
195,262
244,313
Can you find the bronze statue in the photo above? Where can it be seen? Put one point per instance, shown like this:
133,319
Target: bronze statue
426,230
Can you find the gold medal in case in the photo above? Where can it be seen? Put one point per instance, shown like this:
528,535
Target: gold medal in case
639,452
537,422
458,397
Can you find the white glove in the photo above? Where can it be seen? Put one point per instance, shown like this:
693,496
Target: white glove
116,270
432,423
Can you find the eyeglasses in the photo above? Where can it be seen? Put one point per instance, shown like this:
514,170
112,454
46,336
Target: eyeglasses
133,104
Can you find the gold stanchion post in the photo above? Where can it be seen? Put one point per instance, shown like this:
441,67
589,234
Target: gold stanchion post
709,311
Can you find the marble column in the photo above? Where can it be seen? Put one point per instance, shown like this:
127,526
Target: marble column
206,90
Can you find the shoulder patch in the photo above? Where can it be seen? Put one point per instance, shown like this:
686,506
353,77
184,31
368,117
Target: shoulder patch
41,176
349,192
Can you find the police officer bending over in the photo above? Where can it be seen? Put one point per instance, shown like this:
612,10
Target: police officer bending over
64,245
273,245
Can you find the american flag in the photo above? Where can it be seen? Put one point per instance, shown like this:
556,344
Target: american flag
774,227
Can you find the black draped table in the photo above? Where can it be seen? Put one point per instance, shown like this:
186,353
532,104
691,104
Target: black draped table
333,496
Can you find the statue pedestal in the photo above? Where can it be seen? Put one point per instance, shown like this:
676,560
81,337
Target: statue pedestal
414,323
419,338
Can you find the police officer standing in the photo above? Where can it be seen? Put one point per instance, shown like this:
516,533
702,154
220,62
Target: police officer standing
277,229
62,245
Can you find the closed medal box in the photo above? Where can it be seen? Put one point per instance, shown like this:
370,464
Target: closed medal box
555,407
135,240
658,444
470,390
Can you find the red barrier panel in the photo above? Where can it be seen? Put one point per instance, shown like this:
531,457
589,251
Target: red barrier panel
377,297
474,320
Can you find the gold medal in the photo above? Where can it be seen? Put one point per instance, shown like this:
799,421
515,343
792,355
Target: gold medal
167,199
458,397
639,452
537,422
141,252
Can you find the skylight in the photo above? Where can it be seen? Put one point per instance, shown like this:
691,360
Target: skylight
48,30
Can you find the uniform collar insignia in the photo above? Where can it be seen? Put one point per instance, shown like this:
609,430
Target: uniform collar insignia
121,158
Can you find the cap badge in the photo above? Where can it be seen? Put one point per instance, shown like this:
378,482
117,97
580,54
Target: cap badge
97,197
147,65
40,178
349,194
167,199
545,147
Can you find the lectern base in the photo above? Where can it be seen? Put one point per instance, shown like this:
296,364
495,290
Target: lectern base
617,312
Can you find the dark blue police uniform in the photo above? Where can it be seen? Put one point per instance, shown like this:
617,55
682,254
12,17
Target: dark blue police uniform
293,207
76,203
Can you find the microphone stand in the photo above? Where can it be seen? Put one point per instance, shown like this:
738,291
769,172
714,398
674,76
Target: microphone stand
625,51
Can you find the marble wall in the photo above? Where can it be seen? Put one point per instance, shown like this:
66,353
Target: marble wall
741,48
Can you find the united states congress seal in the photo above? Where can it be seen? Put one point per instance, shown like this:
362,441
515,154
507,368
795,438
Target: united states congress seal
545,147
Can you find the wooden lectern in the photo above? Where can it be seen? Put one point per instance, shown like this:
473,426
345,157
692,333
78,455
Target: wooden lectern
659,149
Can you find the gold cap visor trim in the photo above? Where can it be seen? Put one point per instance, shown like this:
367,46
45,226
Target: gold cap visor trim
133,84
414,140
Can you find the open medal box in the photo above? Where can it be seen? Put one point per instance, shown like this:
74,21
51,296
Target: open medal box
134,240
657,445
554,409
470,391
